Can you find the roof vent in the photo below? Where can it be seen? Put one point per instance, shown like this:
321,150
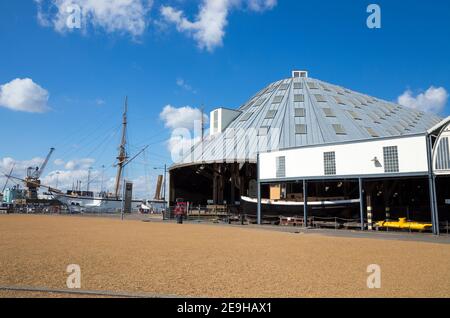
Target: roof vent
221,118
299,73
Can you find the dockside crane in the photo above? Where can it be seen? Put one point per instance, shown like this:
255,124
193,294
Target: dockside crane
32,181
7,178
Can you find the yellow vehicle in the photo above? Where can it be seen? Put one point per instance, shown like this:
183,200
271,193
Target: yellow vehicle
403,224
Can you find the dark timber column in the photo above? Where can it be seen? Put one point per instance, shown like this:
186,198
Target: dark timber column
232,183
220,190
387,205
305,203
361,203
215,185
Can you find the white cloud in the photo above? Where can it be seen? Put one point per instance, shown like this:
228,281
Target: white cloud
24,95
20,166
432,100
208,28
59,162
77,164
184,85
261,5
122,16
99,102
185,125
182,117
66,179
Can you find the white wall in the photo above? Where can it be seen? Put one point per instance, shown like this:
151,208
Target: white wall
351,159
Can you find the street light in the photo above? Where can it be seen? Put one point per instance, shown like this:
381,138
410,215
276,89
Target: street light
164,184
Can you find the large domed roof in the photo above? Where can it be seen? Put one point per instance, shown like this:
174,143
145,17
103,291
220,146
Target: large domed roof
307,111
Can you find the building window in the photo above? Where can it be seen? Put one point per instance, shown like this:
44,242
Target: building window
299,98
390,155
339,100
328,112
246,116
263,131
339,129
300,129
277,99
329,161
299,112
372,132
320,98
260,102
354,115
299,74
281,167
298,85
271,114
312,85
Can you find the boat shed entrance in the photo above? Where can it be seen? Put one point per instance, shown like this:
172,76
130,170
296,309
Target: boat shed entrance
368,184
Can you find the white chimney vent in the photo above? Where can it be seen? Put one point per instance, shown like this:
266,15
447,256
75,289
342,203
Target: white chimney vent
220,118
299,73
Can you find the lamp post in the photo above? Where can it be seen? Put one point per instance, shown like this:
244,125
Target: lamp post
164,184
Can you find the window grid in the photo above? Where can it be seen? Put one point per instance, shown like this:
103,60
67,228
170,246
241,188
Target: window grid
281,167
329,162
390,156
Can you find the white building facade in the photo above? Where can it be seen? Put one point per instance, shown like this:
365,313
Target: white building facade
425,156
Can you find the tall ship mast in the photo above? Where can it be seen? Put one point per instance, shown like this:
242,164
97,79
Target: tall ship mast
87,201
122,157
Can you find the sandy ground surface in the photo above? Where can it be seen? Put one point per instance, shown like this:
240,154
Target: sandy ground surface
212,261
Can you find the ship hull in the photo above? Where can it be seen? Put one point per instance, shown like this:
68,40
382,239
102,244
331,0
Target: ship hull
77,204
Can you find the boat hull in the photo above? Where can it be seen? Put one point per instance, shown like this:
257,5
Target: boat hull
323,208
77,204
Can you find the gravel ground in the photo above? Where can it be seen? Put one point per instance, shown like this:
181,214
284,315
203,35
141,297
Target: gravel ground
211,261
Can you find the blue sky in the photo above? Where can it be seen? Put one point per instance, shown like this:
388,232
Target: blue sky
87,72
